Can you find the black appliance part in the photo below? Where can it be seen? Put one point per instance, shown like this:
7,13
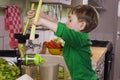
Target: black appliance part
22,38
98,43
108,56
108,63
9,53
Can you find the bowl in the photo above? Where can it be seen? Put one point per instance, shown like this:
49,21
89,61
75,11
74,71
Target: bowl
57,51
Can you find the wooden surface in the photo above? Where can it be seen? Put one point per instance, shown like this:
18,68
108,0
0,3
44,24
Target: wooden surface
97,53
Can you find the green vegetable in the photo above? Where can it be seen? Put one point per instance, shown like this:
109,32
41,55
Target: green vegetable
59,41
8,72
61,73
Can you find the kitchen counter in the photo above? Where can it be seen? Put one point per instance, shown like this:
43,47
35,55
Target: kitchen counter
98,54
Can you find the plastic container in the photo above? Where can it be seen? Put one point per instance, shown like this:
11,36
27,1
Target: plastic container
31,70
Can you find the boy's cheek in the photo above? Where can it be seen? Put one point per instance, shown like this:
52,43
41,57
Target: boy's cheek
68,24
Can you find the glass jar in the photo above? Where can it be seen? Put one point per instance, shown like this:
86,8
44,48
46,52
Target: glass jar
32,70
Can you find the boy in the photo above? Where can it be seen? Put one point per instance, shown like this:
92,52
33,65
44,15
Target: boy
76,52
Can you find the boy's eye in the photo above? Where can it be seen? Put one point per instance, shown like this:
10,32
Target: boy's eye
70,20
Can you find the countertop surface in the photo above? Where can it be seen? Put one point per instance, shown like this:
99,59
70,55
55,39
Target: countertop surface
97,54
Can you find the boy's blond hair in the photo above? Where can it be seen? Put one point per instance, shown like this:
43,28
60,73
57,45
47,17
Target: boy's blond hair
88,14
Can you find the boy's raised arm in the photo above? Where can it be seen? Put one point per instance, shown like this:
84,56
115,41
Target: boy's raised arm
44,20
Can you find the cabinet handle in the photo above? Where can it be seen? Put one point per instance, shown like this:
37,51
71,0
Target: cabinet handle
118,35
109,61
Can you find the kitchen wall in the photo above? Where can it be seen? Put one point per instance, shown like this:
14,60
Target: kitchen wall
23,4
104,31
107,23
107,30
116,65
4,35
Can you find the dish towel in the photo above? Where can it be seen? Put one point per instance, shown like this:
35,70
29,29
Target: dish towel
13,23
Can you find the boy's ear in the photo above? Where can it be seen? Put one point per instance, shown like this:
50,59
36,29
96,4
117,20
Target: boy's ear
82,25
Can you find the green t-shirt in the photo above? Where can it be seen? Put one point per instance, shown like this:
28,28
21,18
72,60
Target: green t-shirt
76,53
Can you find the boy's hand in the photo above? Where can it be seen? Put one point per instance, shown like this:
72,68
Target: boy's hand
43,20
31,13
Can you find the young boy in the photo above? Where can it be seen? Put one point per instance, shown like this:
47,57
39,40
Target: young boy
76,52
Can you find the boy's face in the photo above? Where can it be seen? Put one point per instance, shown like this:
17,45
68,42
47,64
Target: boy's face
73,23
